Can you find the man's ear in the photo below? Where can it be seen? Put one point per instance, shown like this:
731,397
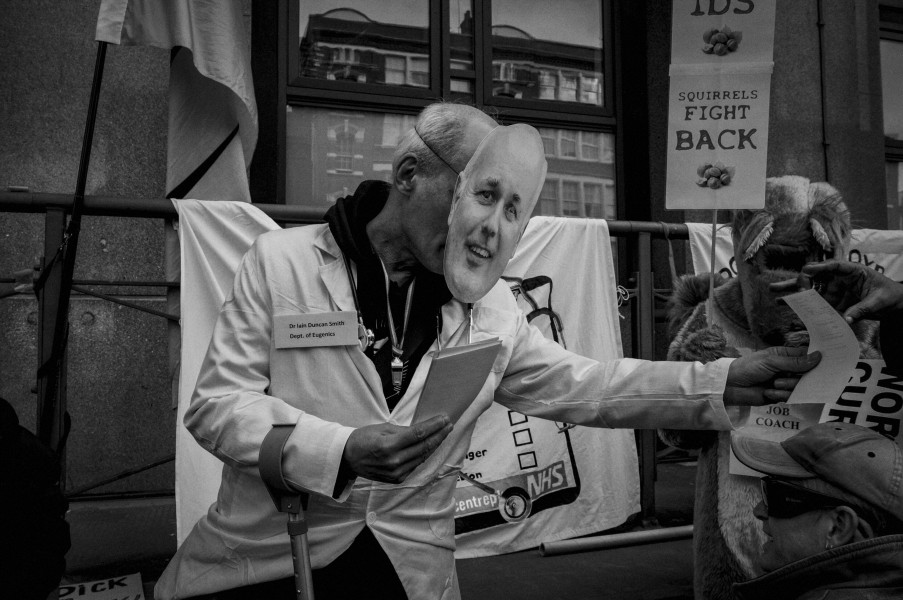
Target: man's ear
845,523
404,174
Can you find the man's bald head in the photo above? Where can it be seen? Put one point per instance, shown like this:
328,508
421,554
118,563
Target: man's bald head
424,170
446,136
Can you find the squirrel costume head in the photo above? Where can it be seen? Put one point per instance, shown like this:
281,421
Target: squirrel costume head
802,222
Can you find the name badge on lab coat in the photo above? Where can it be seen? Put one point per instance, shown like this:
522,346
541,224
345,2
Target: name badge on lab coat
308,330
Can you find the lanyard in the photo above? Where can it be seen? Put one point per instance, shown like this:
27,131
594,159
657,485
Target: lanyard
364,334
397,346
439,326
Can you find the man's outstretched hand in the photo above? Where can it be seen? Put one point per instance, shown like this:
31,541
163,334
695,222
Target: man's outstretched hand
388,452
767,376
855,290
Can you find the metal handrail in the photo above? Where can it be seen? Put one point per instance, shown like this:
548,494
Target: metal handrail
112,206
643,231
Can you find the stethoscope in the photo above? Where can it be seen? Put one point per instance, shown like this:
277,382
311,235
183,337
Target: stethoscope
365,335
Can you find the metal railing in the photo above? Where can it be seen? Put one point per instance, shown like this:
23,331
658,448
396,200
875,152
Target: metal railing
56,206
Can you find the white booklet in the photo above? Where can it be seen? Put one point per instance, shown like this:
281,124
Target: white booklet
455,378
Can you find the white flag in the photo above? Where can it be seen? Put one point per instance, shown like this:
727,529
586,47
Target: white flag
212,111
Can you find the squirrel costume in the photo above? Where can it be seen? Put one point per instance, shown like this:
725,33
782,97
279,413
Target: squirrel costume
801,222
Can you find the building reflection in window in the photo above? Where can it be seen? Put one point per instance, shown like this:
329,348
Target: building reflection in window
530,63
341,40
331,151
892,87
581,176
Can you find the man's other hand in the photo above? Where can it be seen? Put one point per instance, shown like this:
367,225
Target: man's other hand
767,376
855,290
388,452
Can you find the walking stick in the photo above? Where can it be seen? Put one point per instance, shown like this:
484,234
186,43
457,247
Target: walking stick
288,500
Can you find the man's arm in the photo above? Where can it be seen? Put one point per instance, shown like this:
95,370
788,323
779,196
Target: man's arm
232,411
854,289
545,380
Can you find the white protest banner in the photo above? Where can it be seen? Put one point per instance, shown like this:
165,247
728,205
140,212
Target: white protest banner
747,25
872,398
875,248
125,587
526,480
721,53
880,250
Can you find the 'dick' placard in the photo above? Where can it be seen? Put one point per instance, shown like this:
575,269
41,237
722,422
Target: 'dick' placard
718,111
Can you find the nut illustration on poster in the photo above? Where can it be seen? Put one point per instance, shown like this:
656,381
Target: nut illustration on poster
714,175
720,42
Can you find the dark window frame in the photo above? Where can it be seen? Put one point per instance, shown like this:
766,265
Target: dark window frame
574,110
623,36
891,28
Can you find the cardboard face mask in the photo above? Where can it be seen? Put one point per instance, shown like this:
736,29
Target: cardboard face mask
493,200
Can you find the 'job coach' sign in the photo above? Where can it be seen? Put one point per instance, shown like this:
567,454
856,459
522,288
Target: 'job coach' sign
718,103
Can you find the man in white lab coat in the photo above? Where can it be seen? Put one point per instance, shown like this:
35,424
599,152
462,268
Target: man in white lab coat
417,277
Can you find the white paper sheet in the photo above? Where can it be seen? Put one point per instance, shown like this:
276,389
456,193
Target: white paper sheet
830,335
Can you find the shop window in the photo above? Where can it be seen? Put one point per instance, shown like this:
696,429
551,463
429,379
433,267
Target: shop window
528,37
590,146
548,83
567,144
395,70
335,38
420,72
356,150
593,203
548,199
375,65
570,199
549,141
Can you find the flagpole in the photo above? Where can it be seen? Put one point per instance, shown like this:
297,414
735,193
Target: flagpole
56,277
710,306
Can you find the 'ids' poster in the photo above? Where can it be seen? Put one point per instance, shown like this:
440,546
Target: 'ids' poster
721,53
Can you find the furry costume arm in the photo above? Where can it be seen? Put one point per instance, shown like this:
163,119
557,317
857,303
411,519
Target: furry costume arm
695,340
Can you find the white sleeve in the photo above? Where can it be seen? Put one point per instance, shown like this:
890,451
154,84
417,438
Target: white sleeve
545,380
231,412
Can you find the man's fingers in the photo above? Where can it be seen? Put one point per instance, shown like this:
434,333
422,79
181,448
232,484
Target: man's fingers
828,267
855,312
423,429
773,395
786,350
795,363
785,383
801,282
409,457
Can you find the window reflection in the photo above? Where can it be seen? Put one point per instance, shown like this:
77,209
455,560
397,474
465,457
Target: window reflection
340,42
460,25
580,180
892,85
529,61
894,178
330,152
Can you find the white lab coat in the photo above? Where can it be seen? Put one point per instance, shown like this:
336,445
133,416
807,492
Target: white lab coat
246,386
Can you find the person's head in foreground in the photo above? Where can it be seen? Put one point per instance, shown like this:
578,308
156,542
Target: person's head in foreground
831,485
494,196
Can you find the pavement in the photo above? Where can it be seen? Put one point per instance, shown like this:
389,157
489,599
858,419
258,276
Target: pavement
112,538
